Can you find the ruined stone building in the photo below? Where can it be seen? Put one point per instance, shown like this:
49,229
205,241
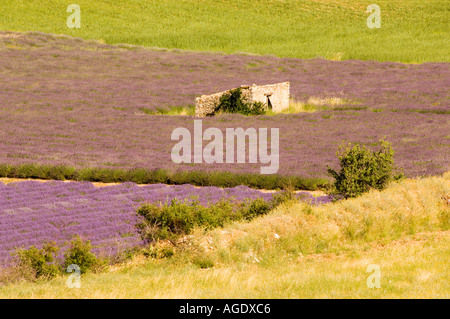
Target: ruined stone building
274,96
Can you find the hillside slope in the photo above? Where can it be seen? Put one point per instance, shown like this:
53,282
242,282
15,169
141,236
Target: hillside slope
297,251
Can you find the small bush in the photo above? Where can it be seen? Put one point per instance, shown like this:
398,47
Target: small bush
234,102
255,208
282,197
362,169
39,261
159,252
203,262
79,253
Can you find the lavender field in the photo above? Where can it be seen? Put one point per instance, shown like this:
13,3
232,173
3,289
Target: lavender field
111,187
32,212
69,101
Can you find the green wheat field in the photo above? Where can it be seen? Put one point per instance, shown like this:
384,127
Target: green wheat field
412,31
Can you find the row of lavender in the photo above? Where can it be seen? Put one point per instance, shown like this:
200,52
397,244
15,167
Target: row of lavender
32,212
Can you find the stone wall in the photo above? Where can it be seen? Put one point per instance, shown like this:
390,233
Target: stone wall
274,96
205,105
277,95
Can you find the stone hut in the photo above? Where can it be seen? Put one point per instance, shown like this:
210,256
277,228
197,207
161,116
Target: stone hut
274,96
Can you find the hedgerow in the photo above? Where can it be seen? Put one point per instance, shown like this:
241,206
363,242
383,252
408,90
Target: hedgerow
147,176
170,220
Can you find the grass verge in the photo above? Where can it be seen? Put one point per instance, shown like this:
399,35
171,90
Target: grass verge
297,251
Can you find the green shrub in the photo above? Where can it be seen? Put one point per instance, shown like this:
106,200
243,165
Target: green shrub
255,208
203,262
362,169
40,261
169,220
159,252
79,253
166,221
234,102
282,197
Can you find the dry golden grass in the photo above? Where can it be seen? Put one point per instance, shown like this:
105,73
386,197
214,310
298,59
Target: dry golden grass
312,105
297,251
329,101
413,267
297,107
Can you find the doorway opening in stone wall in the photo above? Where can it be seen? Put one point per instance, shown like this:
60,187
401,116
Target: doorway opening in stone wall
269,104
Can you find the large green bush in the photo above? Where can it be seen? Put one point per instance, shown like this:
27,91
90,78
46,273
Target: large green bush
234,102
169,220
166,221
363,169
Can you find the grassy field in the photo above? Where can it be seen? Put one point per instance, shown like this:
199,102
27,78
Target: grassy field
412,31
297,251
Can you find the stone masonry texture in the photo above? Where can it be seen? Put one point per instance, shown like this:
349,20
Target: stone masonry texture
274,96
